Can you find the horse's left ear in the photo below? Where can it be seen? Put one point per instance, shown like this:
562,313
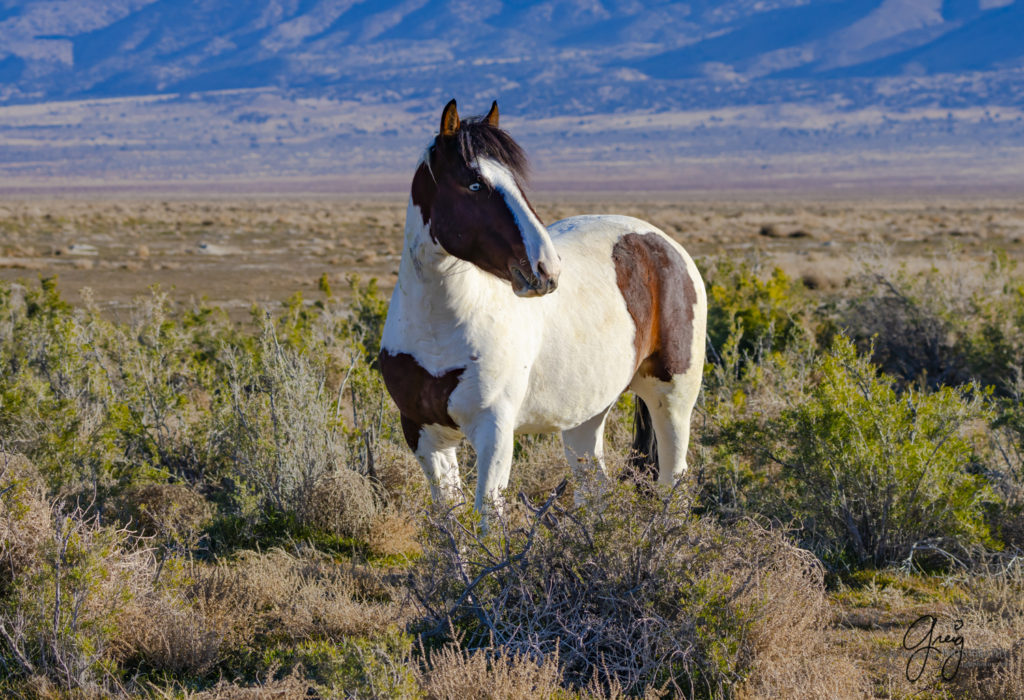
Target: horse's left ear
449,119
492,116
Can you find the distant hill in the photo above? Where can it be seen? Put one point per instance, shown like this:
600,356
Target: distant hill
554,48
172,88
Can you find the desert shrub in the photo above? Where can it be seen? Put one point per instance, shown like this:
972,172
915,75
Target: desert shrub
174,513
344,502
291,442
62,616
629,591
941,328
163,370
903,325
739,394
757,312
285,425
25,524
369,311
378,667
98,405
182,396
869,472
991,329
52,394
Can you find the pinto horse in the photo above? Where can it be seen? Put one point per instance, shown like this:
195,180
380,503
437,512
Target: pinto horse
499,326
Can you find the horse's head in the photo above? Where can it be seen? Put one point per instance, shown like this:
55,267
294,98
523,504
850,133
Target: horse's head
469,194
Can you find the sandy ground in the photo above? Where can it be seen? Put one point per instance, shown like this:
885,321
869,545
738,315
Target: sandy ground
236,251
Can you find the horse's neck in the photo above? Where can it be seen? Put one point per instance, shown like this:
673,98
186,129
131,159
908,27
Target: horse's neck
437,292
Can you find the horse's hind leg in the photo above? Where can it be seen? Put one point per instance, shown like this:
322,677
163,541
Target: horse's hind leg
671,405
584,450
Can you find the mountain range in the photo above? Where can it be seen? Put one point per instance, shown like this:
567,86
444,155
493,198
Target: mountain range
850,62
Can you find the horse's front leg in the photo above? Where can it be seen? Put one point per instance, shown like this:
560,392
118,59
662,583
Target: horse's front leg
434,447
492,437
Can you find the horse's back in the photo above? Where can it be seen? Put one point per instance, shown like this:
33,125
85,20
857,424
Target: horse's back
630,302
658,282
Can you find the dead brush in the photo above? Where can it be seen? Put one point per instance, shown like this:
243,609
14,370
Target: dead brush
629,590
186,624
993,631
452,672
400,476
308,596
174,635
394,533
172,512
25,521
344,502
63,614
788,635
201,612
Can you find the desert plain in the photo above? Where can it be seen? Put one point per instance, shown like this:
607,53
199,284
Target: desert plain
235,251
244,252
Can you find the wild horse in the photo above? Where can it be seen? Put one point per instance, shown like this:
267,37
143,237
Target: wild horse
501,326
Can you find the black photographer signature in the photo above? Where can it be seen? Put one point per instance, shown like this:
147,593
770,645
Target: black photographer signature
922,641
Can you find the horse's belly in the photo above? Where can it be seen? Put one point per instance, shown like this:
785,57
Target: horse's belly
568,399
587,357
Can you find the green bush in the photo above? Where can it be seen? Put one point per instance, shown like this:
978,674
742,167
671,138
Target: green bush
381,667
754,313
869,472
62,616
991,331
942,328
256,419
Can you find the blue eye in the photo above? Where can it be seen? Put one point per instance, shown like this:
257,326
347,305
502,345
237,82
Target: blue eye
475,187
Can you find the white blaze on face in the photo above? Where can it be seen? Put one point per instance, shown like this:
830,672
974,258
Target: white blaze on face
538,244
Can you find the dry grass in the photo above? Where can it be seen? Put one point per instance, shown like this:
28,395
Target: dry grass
455,674
789,642
993,620
304,596
401,476
291,687
202,612
343,502
394,533
263,250
25,522
171,511
175,635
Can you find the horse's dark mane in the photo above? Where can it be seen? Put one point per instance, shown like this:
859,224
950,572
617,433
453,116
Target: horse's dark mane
475,138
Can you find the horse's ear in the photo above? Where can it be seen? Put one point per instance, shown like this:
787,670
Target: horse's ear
449,119
492,116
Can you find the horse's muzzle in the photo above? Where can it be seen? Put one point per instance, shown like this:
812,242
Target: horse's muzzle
527,284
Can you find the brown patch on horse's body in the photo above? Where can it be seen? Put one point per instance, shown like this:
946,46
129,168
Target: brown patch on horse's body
421,397
660,296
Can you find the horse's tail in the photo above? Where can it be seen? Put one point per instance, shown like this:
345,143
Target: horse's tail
643,458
